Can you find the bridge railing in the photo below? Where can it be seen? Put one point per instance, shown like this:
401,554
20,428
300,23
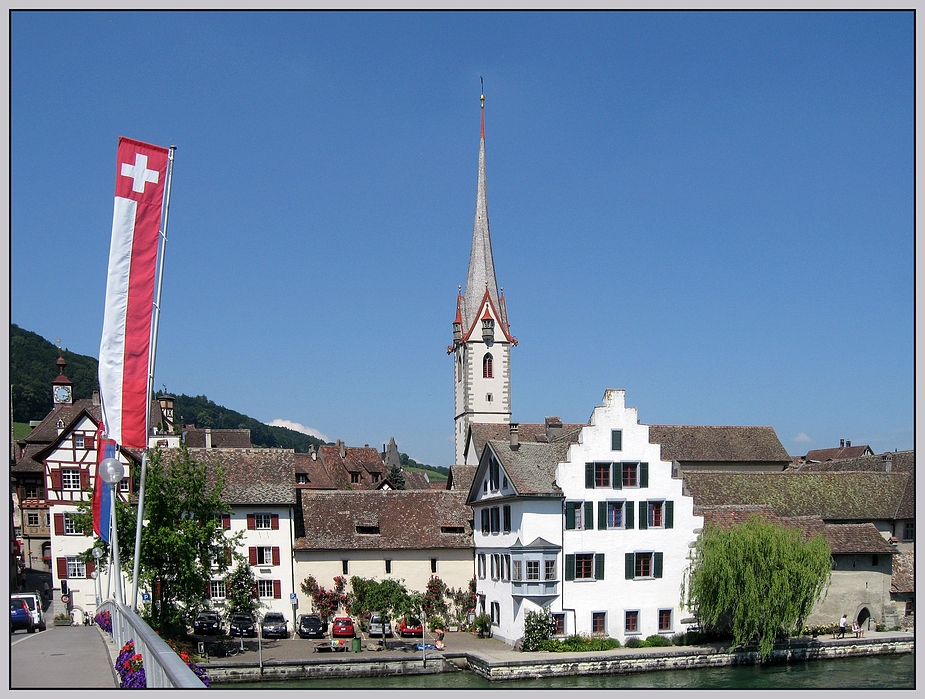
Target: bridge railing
164,669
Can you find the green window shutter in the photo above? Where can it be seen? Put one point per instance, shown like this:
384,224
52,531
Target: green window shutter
628,516
616,440
617,480
589,515
657,564
669,514
630,566
589,475
570,515
570,566
643,515
599,566
643,475
602,515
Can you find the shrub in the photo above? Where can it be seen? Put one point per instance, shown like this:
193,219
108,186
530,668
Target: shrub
655,640
538,627
634,642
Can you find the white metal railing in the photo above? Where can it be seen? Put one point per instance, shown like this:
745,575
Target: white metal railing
163,667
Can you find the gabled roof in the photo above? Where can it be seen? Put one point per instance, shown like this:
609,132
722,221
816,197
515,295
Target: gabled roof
417,480
687,443
857,538
252,476
195,438
407,519
356,460
481,432
899,461
903,572
318,478
831,496
841,452
530,468
460,478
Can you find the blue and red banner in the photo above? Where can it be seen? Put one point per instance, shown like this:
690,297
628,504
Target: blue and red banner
102,493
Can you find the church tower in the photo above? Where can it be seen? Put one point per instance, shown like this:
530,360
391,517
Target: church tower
482,338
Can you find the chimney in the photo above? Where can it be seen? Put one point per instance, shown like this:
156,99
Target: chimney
96,397
515,436
848,443
841,443
887,460
343,449
314,454
553,428
208,437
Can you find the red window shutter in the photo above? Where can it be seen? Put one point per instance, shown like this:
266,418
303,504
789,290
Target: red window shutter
274,521
56,479
226,521
277,589
84,478
208,589
276,555
228,557
254,592
252,555
59,524
88,443
62,568
251,522
91,566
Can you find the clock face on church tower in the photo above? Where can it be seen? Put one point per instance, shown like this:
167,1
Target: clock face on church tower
62,394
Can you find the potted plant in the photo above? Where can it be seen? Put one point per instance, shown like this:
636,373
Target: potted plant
482,624
62,619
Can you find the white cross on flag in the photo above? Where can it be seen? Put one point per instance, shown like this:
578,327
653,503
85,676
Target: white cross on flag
124,351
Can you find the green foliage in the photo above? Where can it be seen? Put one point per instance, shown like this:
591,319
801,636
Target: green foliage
756,580
538,627
397,477
368,595
239,590
655,640
435,598
409,463
324,602
462,602
635,642
580,644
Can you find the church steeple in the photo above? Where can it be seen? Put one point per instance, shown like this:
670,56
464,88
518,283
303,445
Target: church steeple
482,339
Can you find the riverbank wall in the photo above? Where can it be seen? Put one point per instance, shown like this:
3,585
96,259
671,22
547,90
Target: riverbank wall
514,665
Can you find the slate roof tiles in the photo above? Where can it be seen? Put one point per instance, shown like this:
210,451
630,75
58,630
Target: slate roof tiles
718,443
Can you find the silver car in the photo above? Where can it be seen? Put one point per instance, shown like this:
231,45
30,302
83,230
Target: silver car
379,625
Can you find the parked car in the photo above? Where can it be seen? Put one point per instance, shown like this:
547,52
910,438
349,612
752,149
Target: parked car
312,626
379,625
409,626
243,625
274,625
20,616
34,602
343,627
209,623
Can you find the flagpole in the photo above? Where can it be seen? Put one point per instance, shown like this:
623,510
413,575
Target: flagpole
151,357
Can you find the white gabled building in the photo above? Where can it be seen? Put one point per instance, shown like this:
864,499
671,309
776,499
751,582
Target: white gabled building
589,525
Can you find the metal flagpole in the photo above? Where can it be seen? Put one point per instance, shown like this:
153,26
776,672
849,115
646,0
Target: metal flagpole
157,314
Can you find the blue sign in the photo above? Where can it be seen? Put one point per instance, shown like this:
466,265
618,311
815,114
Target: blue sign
293,597
146,596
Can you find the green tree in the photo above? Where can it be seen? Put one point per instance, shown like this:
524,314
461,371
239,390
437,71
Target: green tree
387,596
397,477
239,590
756,580
538,627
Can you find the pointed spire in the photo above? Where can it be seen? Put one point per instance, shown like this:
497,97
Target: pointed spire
481,264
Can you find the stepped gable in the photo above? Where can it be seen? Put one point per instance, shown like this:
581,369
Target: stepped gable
531,467
252,476
899,462
407,519
718,443
196,438
903,572
831,496
313,469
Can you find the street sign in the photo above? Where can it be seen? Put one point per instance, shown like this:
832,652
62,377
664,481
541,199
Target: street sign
146,596
293,598
65,599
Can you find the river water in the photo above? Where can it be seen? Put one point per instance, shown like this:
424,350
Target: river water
871,672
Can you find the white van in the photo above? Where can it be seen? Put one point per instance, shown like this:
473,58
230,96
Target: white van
35,606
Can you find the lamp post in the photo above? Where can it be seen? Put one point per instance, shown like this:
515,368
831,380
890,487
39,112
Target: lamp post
97,554
112,472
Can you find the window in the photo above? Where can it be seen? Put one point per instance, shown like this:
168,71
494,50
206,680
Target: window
32,519
533,570
452,530
70,525
375,477
78,441
301,478
495,613
388,566
655,514
217,589
664,620
343,566
579,515
909,531
631,623
658,514
598,622
486,520
265,588
123,485
602,475
518,571
643,565
488,398
264,555
550,568
495,565
354,477
616,440
495,520
481,566
614,515
487,368
367,529
433,565
34,491
506,567
584,566
558,620
76,568
70,479
262,521
630,475
506,510
874,560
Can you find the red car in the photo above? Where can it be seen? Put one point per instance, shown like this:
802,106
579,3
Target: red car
410,626
343,627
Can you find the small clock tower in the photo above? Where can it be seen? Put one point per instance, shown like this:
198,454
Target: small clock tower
62,390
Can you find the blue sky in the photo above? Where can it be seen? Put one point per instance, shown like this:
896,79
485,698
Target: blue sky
713,211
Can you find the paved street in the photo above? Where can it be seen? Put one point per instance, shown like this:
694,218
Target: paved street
63,657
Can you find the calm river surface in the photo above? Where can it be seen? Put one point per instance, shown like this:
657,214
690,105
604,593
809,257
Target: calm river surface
874,672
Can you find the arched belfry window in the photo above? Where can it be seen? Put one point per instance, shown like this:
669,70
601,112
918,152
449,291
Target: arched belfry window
487,367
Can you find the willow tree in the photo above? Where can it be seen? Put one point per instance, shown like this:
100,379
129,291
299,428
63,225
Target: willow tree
756,580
